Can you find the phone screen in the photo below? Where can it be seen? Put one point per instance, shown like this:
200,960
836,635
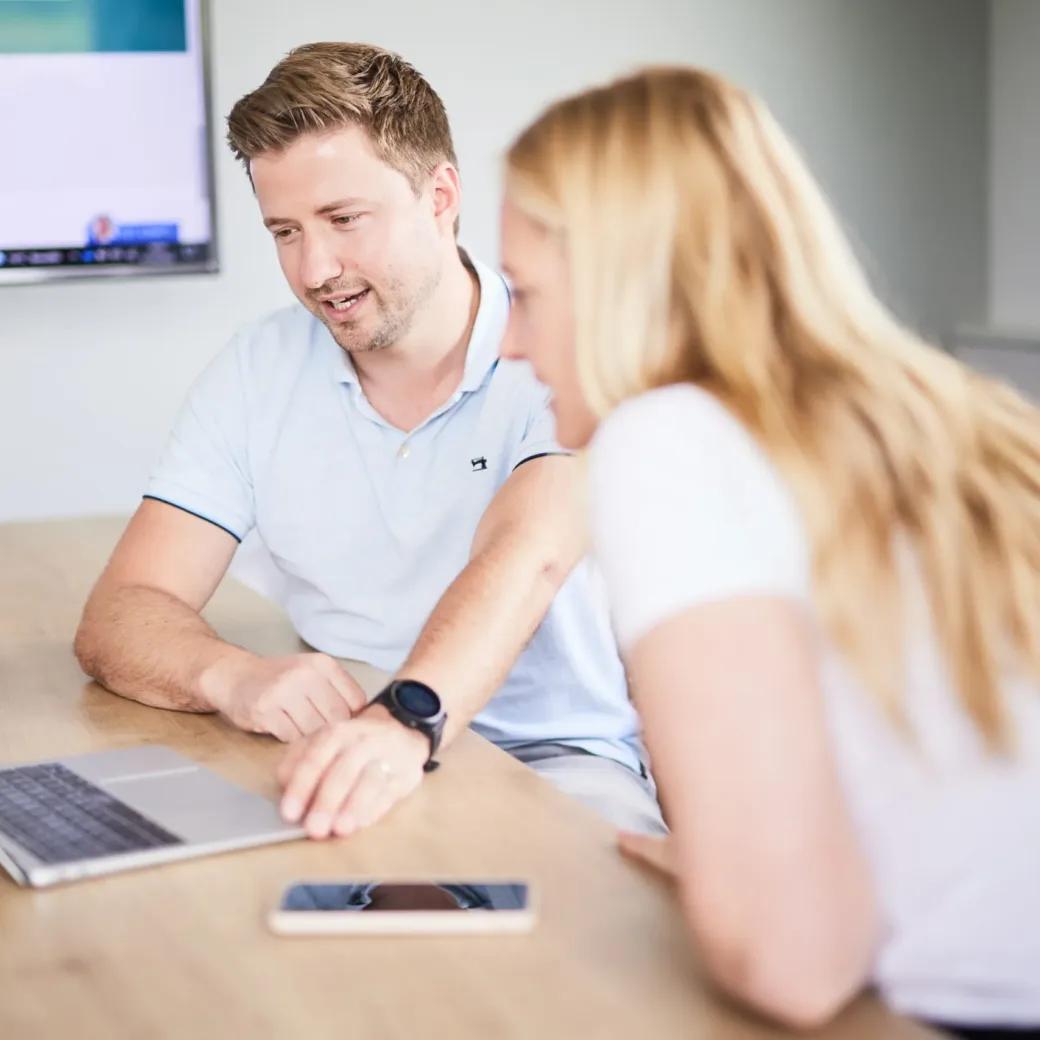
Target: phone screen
390,896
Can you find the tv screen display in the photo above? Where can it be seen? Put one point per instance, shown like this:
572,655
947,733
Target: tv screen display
105,157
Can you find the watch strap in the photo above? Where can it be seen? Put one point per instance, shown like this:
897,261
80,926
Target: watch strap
386,699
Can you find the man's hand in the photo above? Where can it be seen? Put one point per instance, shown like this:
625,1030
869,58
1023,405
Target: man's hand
350,774
288,697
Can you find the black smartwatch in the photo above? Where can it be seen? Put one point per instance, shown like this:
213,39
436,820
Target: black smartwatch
416,706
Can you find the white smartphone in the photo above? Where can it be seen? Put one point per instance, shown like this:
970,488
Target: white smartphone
403,908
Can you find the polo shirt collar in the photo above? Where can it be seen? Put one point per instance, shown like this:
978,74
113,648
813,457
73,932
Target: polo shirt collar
488,330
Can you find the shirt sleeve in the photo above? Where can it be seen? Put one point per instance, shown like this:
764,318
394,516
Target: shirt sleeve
686,509
204,468
539,430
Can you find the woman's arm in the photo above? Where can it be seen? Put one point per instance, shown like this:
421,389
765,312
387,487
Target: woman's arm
773,881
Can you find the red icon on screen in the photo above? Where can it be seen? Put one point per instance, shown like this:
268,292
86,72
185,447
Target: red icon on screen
102,230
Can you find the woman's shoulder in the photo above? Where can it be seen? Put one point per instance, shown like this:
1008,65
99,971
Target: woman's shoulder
670,422
685,401
685,508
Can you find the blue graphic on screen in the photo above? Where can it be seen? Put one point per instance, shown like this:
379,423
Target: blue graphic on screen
104,231
92,26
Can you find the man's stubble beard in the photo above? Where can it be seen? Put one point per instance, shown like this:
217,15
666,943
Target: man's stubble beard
394,322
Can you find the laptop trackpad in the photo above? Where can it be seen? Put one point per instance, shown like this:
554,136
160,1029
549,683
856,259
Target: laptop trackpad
179,794
198,805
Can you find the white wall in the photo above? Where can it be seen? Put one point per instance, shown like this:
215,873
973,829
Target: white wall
887,96
1007,343
1015,171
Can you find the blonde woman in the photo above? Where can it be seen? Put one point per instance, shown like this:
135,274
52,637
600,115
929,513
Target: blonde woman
821,541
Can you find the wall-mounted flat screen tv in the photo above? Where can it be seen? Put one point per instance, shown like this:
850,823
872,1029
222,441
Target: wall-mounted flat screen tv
105,158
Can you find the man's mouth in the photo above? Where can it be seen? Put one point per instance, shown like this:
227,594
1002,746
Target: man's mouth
340,305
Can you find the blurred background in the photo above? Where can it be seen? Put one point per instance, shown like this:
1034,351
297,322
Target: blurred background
919,116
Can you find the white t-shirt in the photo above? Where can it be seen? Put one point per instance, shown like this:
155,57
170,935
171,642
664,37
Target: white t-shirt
687,509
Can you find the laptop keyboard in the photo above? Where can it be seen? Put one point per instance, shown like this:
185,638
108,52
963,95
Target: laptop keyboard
62,818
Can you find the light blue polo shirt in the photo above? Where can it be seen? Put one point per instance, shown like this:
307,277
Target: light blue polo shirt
368,526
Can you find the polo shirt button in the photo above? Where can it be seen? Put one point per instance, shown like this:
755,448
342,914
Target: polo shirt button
404,451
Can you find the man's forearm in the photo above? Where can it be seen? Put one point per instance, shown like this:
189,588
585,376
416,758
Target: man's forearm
151,647
478,629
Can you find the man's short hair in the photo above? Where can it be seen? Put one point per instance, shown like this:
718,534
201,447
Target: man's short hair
324,87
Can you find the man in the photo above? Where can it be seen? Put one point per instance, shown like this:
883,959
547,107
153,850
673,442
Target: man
403,479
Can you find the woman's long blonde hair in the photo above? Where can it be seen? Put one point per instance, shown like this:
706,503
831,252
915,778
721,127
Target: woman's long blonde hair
702,251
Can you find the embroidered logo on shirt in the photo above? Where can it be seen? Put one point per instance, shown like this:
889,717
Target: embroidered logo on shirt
478,464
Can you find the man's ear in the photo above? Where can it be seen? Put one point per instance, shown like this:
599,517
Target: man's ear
446,193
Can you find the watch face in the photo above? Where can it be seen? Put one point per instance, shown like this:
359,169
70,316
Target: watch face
418,699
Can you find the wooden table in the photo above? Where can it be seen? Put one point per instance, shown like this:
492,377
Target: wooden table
182,951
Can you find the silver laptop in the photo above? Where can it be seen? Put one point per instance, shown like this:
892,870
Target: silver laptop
86,815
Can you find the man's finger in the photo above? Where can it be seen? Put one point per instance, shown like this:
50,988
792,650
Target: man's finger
294,755
280,724
302,711
306,770
372,797
329,703
334,789
345,686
